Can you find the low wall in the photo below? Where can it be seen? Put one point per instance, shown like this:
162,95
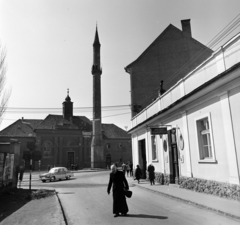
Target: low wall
224,190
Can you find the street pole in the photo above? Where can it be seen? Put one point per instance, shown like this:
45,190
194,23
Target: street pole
30,178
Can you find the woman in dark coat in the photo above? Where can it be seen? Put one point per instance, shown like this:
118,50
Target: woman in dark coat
138,174
119,182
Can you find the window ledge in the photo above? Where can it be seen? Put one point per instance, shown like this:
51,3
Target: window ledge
207,161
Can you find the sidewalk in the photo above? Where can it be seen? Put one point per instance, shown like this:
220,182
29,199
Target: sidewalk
226,207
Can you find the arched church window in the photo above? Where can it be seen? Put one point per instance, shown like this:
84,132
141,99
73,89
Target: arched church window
47,149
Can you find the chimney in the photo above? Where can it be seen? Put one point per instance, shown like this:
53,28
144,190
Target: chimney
186,27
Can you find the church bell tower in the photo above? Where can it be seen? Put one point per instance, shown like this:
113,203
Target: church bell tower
97,154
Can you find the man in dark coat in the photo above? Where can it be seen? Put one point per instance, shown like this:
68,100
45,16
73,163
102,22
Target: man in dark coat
119,182
151,174
138,174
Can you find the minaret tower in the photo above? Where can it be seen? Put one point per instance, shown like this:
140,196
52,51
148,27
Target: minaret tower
97,156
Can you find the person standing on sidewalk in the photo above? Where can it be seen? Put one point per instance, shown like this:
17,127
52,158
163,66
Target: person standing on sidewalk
138,173
151,174
131,169
119,182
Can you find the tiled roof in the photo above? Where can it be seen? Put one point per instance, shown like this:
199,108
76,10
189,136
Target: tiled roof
113,131
26,127
21,128
58,122
161,36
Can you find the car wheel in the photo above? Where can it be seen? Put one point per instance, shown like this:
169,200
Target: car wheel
43,181
53,179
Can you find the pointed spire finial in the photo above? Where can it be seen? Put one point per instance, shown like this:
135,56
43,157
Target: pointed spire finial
68,99
96,39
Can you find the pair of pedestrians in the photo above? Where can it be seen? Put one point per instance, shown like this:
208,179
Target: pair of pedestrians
151,174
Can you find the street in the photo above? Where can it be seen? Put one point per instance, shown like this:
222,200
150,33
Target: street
85,201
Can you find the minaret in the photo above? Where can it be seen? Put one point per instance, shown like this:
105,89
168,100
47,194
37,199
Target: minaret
97,156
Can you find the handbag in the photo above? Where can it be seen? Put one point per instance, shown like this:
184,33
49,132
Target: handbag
128,193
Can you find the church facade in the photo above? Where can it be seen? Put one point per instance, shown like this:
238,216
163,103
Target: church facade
65,140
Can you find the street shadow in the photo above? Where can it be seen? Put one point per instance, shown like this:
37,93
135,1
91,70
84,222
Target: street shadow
147,216
12,200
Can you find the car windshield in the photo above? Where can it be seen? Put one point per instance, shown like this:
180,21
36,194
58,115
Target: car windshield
53,170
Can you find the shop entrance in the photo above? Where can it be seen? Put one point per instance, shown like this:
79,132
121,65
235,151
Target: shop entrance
142,157
173,156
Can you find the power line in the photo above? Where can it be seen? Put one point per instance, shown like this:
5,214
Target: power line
88,107
90,118
230,27
58,110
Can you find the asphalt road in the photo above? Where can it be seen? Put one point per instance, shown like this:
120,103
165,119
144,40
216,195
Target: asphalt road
85,201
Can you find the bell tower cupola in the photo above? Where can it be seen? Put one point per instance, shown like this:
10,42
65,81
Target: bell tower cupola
67,107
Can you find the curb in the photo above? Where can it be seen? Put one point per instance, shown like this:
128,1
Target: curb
193,203
64,216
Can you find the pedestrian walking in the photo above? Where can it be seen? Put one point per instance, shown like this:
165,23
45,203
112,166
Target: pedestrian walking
118,183
151,174
124,168
138,173
128,169
131,169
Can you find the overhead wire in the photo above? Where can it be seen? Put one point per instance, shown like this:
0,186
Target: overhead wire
229,28
232,25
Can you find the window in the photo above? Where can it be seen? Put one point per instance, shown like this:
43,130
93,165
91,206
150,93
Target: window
154,147
47,149
120,145
108,145
204,136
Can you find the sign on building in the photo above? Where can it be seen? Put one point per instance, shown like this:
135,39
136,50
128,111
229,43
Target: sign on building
158,130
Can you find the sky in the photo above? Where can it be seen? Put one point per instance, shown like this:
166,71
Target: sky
49,49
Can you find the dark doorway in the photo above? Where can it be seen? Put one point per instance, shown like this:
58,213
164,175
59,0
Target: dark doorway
70,159
108,161
173,156
142,157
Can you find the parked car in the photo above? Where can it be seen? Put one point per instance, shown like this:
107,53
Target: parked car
56,173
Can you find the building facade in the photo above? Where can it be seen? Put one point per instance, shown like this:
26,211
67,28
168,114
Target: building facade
192,129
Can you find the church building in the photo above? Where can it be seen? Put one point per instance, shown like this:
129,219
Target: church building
66,140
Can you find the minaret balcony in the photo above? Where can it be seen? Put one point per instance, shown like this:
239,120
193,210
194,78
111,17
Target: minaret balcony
96,69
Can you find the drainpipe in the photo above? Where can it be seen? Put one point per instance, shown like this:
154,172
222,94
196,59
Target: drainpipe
223,58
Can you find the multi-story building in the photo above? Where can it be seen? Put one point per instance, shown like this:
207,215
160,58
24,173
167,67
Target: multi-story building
192,130
166,59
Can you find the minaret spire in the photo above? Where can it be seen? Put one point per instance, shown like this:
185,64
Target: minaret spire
96,39
97,154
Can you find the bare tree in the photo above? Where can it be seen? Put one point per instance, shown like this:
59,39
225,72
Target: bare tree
4,94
